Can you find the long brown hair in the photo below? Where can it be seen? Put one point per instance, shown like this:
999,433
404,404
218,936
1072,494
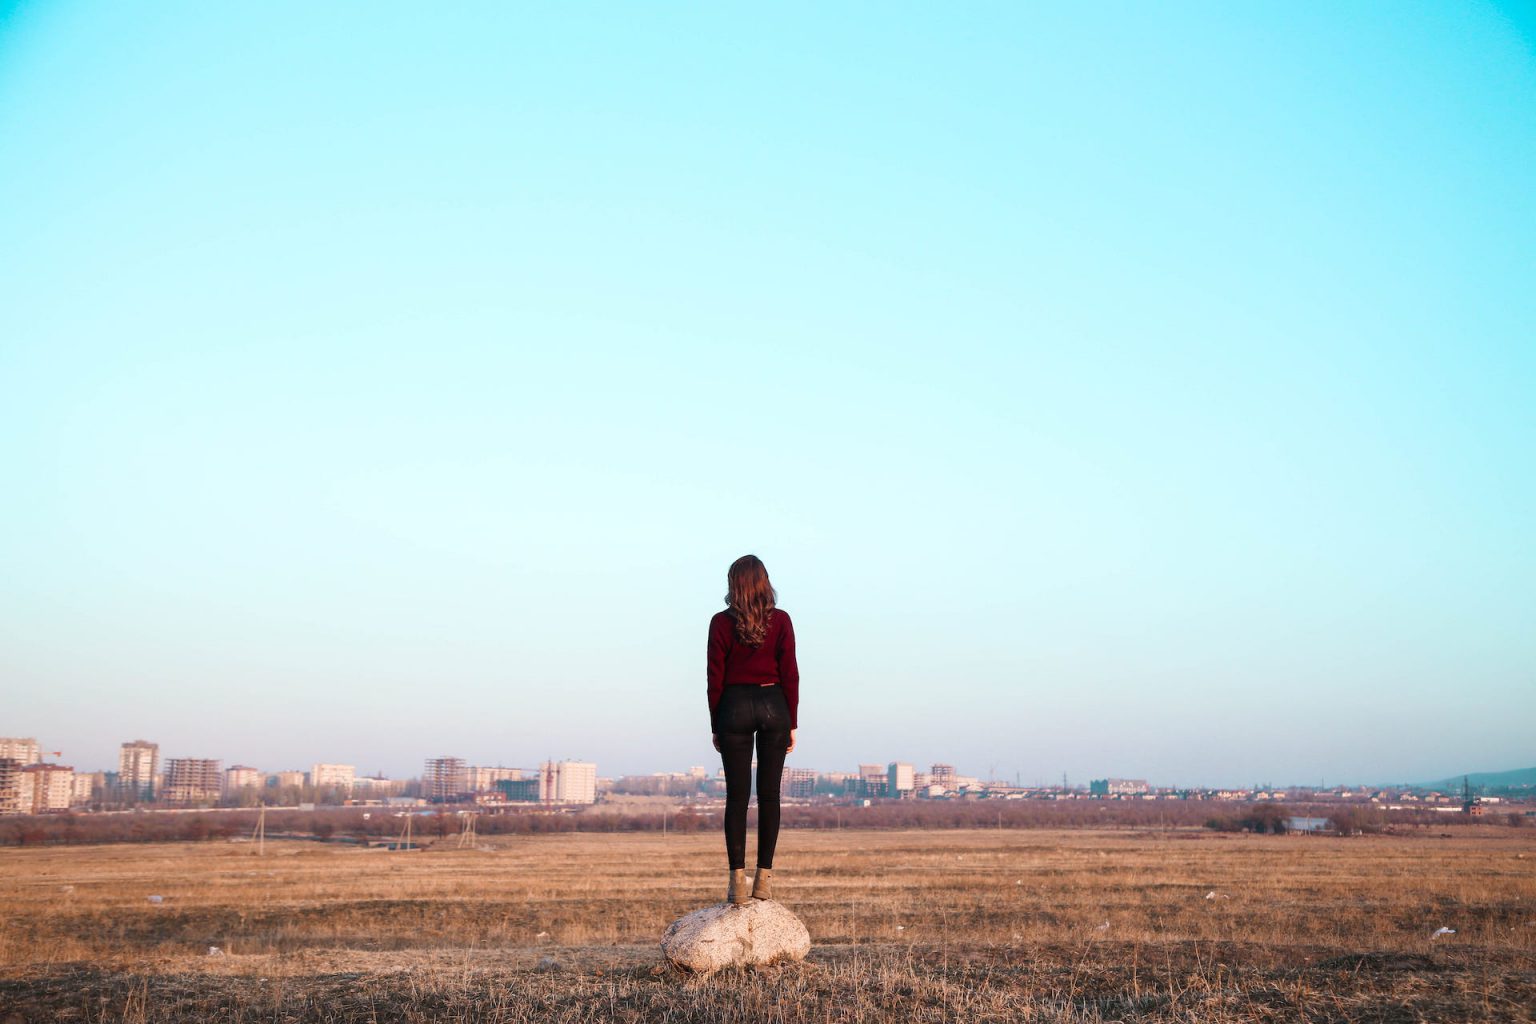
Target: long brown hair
750,598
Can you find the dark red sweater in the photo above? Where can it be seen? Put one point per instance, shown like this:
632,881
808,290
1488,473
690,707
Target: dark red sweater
735,663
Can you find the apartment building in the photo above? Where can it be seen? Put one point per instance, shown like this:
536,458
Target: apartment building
377,787
872,779
20,749
333,776
484,780
10,786
568,782
797,783
190,781
46,788
138,762
294,779
242,776
445,779
87,786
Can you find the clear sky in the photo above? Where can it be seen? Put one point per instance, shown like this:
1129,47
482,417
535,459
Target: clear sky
1144,390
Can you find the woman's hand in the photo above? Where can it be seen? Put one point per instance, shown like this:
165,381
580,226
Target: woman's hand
715,739
789,749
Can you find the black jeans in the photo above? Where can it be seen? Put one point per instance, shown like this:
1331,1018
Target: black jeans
746,713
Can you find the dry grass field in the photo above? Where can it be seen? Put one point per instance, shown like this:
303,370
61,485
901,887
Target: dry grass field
908,926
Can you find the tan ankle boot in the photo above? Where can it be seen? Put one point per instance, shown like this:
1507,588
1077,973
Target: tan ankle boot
762,885
736,892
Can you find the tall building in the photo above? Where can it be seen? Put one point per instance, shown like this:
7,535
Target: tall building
292,779
190,781
240,776
568,782
87,786
444,779
10,786
137,765
46,787
483,780
19,749
942,775
845,783
333,776
797,783
899,779
872,779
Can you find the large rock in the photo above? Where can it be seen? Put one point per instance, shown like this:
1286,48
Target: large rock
724,935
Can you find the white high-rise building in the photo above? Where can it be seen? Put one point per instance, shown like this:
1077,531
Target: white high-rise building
137,765
568,782
240,776
86,784
19,749
899,779
332,776
291,779
46,787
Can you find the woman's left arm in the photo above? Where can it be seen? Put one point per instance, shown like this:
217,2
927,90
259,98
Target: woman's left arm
714,677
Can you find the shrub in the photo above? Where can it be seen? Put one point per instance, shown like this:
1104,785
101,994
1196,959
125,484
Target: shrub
1265,818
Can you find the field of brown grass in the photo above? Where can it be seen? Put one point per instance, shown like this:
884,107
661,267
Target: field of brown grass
982,925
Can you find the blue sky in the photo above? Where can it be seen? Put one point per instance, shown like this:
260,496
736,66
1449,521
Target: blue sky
1143,391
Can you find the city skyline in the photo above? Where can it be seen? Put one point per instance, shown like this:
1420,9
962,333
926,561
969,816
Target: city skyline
1146,391
352,770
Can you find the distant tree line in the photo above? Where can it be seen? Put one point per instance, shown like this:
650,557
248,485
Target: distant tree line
364,824
1342,819
1260,818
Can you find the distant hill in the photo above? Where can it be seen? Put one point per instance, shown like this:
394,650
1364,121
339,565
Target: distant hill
1488,780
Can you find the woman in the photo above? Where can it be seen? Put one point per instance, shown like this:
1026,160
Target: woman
754,694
